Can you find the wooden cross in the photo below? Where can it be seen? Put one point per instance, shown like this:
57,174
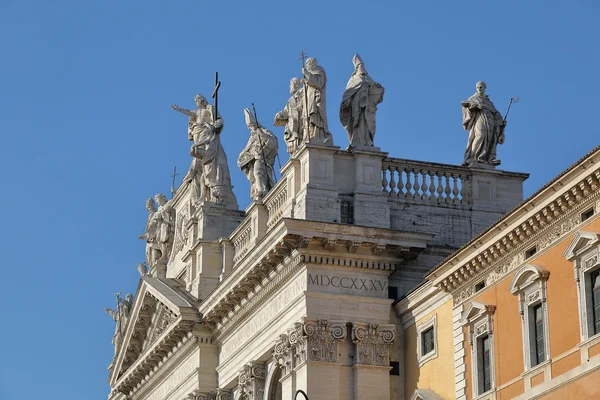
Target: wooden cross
173,182
215,95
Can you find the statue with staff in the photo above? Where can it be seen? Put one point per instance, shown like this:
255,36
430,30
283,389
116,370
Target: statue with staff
258,157
486,127
209,172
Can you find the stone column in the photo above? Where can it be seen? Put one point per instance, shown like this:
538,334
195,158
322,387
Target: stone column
251,381
372,366
316,369
284,358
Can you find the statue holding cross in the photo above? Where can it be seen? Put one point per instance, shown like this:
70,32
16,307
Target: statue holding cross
209,173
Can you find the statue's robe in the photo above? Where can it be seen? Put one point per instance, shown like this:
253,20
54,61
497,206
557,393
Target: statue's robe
257,160
291,118
358,109
315,87
486,128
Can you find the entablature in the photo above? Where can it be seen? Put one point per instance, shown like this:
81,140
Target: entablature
539,221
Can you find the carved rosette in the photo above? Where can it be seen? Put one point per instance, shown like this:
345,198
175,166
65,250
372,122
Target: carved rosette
373,342
322,339
251,381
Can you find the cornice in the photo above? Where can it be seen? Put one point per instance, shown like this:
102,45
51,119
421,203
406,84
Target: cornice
521,228
328,243
493,264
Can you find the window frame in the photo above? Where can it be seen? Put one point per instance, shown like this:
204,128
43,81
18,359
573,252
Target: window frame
478,319
529,284
584,252
430,323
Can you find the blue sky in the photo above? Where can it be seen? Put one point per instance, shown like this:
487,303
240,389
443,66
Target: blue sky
87,133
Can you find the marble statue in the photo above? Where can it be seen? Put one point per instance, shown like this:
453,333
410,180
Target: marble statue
291,116
150,235
315,85
209,172
359,106
120,316
164,227
486,127
258,157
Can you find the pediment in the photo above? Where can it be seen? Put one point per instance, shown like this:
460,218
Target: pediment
582,241
475,309
161,307
425,394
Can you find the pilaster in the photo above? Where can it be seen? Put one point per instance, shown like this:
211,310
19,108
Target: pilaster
251,381
372,355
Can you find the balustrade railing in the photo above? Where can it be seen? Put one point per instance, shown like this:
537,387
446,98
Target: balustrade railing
431,182
275,202
242,240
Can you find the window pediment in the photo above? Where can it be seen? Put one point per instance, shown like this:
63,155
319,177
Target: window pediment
425,394
582,242
527,275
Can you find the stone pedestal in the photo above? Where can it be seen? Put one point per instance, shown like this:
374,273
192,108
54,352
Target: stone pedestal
318,198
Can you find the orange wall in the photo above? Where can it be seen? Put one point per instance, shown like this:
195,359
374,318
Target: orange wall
508,340
583,388
563,315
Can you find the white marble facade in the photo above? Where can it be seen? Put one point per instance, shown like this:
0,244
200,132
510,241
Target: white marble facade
296,292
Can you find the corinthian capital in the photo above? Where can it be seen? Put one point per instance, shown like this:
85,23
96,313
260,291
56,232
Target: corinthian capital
252,381
323,337
373,342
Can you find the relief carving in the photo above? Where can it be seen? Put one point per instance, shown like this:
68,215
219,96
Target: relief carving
323,337
251,381
373,342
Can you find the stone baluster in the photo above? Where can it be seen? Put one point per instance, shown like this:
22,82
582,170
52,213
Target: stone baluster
455,198
440,189
392,180
408,183
384,181
400,182
447,189
431,176
423,183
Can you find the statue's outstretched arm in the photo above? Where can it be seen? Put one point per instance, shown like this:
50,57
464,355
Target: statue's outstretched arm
190,113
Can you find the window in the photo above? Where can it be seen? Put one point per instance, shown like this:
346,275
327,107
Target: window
537,337
427,340
529,253
584,252
587,215
478,318
484,364
529,284
479,286
595,303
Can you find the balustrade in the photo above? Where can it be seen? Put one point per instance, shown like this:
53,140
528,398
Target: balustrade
440,183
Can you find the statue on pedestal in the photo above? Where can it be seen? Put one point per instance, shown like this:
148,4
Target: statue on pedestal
150,234
315,85
159,230
258,157
486,127
291,116
359,106
120,316
209,172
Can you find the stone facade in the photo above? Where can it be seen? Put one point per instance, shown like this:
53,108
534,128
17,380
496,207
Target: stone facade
296,291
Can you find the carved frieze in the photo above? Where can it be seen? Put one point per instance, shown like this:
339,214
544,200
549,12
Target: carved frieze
251,381
161,320
373,342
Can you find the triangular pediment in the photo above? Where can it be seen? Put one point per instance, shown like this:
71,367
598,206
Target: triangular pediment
425,394
160,305
475,309
582,241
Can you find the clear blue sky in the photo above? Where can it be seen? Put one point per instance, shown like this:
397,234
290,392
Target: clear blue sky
87,132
